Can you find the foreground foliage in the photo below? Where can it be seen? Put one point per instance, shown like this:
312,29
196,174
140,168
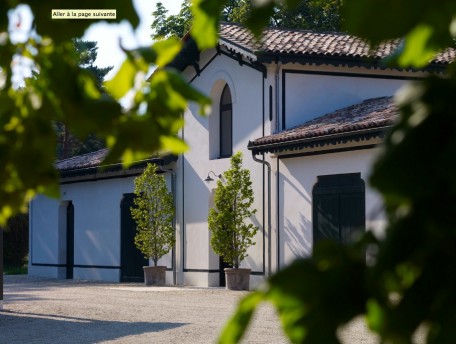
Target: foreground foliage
412,280
63,92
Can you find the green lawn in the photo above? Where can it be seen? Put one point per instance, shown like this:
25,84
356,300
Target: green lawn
15,270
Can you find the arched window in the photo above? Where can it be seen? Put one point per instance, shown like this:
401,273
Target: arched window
226,123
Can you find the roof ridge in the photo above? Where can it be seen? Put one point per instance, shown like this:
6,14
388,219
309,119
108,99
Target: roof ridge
268,28
330,45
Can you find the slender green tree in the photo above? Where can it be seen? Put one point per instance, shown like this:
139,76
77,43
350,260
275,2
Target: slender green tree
231,236
153,213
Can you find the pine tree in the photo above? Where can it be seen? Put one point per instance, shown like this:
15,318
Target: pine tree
231,235
87,52
153,213
69,145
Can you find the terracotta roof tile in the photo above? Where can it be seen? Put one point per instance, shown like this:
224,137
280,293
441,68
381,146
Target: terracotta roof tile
370,114
302,42
93,159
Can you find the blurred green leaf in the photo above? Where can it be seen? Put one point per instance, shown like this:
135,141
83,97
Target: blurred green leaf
375,315
259,17
123,81
173,144
167,50
63,30
423,22
130,156
238,324
417,51
206,14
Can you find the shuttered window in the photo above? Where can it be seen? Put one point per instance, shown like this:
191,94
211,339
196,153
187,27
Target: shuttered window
338,207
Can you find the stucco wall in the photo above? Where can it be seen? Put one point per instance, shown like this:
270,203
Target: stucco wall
296,179
201,134
44,237
308,96
96,230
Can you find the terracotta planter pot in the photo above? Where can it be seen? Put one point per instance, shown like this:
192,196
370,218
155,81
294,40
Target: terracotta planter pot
155,275
237,279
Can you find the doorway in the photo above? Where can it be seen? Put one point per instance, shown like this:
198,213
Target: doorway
131,259
70,240
222,266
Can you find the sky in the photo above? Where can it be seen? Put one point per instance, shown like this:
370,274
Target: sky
105,34
108,35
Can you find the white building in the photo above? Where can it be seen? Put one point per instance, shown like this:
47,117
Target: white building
308,111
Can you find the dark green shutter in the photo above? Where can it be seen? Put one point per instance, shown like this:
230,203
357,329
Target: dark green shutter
338,207
352,215
326,214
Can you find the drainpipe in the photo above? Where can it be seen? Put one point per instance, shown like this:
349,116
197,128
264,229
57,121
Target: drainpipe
278,64
173,191
268,165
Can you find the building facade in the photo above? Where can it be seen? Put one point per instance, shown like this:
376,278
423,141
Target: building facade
307,110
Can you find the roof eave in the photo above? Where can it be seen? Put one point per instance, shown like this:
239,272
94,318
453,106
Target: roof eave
320,141
111,171
340,60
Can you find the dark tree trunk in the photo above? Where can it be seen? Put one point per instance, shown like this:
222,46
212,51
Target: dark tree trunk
1,268
66,143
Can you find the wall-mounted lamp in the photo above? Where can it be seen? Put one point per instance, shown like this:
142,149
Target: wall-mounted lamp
210,179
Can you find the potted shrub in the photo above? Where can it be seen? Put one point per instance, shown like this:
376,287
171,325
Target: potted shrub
231,235
153,213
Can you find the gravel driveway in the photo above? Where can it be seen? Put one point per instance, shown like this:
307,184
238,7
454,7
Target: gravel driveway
38,310
52,311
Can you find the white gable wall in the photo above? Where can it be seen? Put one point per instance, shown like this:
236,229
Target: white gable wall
304,92
296,179
201,265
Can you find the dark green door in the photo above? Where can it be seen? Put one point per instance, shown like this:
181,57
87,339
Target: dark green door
222,266
70,241
132,260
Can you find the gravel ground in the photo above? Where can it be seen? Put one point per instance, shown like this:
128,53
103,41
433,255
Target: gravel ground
40,310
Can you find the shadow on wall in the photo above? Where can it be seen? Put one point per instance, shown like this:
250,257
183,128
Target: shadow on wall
51,328
197,194
296,240
296,235
257,265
